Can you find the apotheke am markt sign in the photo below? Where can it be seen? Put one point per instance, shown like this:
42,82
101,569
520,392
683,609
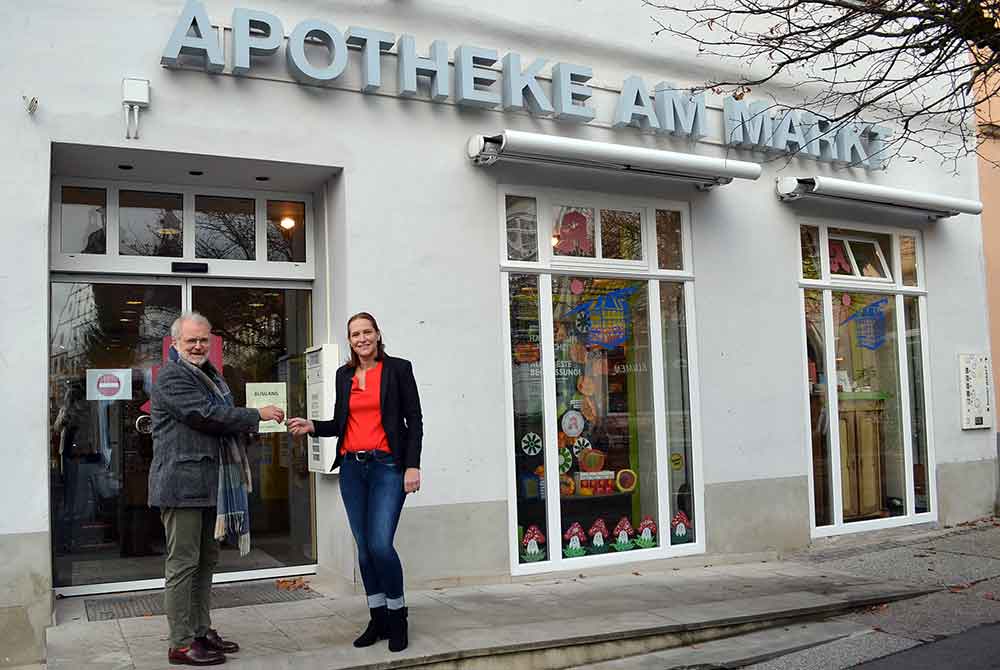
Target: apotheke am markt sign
513,87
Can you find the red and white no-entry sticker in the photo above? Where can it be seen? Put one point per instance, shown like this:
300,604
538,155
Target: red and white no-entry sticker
109,384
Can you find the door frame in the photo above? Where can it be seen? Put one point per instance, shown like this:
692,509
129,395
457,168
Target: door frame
186,284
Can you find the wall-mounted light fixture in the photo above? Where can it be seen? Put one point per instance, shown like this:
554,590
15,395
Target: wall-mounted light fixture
287,223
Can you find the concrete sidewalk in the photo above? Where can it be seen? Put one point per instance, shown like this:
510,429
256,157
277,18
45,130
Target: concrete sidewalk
539,624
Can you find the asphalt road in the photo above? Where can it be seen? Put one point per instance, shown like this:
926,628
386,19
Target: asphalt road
975,649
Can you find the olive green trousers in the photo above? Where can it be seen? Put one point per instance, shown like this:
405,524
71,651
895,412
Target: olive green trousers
192,554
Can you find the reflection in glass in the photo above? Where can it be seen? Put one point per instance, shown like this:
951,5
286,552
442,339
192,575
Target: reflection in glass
264,334
819,408
102,527
809,240
83,212
918,425
677,383
604,396
871,441
908,258
573,232
867,259
522,228
286,231
225,228
150,224
529,430
621,235
840,261
669,251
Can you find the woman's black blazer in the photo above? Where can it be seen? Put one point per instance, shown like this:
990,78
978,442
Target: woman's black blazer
400,405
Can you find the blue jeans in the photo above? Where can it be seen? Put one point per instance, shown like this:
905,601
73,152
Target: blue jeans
373,497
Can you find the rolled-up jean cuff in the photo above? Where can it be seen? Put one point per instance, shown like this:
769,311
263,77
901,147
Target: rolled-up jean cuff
377,600
395,603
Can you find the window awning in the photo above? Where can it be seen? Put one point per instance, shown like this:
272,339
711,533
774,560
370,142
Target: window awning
919,202
514,145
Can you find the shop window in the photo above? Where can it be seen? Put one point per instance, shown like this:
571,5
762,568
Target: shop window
83,220
150,224
908,259
878,422
859,255
225,228
529,428
678,395
573,232
601,412
918,426
819,407
809,242
522,228
621,235
604,404
286,231
669,248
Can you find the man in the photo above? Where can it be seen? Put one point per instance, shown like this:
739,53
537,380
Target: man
195,428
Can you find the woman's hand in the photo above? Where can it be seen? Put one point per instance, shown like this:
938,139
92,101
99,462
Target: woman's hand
298,426
411,479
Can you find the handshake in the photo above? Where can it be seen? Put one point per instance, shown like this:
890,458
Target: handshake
271,413
296,426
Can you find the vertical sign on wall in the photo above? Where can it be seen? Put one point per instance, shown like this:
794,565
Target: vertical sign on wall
977,391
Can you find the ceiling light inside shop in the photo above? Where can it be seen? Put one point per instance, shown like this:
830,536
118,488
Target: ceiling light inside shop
256,304
133,302
168,231
125,320
288,223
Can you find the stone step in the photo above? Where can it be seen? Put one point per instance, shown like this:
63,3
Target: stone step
581,641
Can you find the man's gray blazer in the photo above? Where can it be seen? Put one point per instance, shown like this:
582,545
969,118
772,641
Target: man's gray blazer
187,428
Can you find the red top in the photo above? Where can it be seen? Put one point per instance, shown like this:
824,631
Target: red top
364,420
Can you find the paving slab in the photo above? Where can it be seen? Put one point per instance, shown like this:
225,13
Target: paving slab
916,564
840,654
100,642
737,651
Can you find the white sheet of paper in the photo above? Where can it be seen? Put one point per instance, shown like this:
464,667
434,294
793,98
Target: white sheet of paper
260,394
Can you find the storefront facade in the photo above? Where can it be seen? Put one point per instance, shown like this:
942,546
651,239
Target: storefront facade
614,365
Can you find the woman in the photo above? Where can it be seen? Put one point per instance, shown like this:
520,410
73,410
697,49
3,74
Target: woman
377,418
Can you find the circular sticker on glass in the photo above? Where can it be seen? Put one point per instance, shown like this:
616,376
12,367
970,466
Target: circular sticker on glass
580,444
565,460
531,444
573,423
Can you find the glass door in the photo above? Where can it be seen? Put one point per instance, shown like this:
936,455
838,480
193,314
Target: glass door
108,339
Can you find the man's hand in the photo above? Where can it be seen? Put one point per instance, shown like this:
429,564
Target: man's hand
297,426
271,413
411,480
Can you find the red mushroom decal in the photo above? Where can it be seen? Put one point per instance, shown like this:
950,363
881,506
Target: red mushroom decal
597,533
647,528
624,530
575,535
680,524
532,538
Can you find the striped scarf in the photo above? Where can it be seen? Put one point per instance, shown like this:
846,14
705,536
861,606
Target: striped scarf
232,519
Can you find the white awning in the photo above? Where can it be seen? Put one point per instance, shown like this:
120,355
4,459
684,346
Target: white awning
514,145
928,204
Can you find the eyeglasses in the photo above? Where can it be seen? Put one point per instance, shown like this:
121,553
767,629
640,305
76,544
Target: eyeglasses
191,341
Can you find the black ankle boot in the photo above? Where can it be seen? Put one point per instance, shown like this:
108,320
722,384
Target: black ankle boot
378,628
398,639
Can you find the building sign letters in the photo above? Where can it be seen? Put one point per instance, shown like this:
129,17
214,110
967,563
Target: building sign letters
515,86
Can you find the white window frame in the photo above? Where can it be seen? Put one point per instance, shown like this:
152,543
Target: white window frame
646,270
115,263
848,241
895,289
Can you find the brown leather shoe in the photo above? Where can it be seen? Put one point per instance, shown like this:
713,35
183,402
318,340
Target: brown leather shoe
196,654
214,641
